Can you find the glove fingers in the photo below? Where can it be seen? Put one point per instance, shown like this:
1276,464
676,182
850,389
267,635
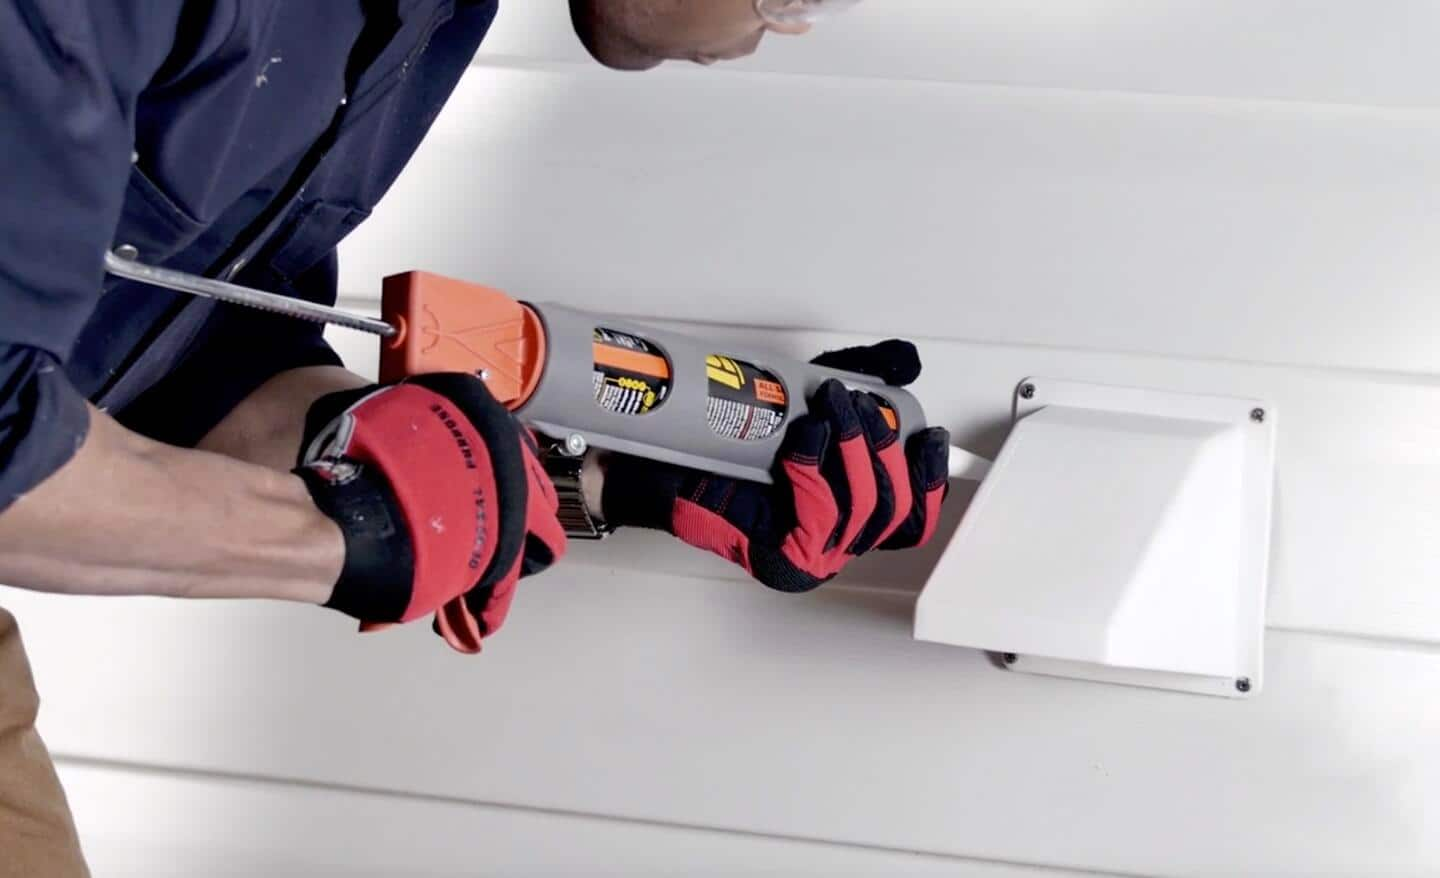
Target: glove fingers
928,453
544,536
504,443
816,512
847,469
894,361
458,626
850,472
892,476
807,439
492,614
486,606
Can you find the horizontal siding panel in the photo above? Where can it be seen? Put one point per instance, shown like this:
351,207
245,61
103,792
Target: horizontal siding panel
1370,53
1357,471
1184,227
155,823
708,703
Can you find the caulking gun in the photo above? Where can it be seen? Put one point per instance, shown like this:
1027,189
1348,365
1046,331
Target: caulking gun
586,380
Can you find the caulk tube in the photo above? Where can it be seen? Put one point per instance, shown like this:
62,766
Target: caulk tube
621,385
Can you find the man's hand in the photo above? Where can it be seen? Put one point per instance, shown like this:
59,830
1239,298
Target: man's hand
441,500
128,515
843,486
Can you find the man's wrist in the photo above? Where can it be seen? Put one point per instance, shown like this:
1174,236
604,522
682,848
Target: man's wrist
304,562
325,554
637,492
373,583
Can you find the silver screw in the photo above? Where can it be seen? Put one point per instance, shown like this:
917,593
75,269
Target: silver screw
484,374
1009,658
1027,391
1243,684
575,445
1257,415
127,252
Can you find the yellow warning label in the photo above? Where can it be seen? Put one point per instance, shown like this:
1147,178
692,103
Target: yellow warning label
723,370
745,401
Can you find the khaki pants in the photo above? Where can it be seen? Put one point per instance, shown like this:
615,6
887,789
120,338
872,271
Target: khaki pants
37,834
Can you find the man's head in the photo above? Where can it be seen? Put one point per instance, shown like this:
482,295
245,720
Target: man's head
639,34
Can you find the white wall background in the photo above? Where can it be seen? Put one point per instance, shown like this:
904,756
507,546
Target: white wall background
1226,196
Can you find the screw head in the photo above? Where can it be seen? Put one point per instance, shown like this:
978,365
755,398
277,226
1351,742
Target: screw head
127,252
1257,415
575,445
1243,684
1009,658
484,374
1027,391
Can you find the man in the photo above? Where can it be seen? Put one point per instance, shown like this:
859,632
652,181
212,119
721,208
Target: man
156,444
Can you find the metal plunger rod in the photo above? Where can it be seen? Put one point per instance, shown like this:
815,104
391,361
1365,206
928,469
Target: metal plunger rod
210,288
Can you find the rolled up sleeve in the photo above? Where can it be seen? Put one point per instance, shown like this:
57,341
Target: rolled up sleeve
43,420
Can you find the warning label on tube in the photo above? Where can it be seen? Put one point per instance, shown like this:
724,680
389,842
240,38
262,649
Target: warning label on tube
631,375
745,402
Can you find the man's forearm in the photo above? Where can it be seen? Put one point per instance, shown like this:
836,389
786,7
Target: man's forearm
128,515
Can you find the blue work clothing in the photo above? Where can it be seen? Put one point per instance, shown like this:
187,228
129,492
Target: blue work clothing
240,139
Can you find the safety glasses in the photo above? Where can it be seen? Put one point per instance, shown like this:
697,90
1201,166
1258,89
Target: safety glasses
791,12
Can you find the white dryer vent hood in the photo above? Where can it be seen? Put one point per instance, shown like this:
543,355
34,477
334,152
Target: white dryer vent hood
1123,535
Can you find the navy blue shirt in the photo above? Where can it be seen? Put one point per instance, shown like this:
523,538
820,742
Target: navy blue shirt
240,139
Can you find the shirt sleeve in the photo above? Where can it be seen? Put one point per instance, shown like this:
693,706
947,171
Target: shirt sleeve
70,74
43,419
240,350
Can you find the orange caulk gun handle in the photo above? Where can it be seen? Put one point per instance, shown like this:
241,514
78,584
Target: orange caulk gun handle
448,325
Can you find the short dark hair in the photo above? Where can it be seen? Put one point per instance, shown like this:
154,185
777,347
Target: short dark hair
604,26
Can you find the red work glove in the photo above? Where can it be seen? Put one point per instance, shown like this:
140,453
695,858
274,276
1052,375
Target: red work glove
842,486
441,500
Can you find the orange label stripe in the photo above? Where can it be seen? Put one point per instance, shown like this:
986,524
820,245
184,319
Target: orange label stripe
627,360
888,414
